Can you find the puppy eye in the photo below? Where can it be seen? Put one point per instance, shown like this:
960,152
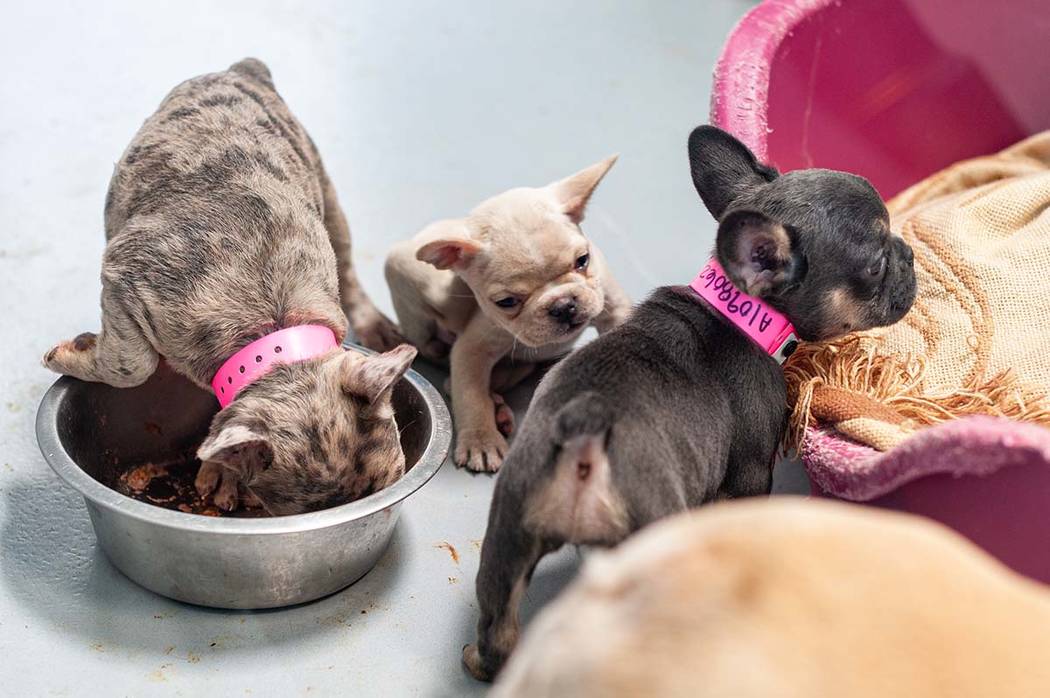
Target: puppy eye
508,302
582,261
878,267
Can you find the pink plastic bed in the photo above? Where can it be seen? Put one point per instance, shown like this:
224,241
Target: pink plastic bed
895,90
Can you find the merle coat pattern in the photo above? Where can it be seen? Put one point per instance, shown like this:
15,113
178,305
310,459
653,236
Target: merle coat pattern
223,226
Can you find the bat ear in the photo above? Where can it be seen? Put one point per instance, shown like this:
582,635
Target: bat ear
723,168
756,252
371,379
448,245
575,191
239,448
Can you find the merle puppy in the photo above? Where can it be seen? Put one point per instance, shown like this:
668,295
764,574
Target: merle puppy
678,407
222,227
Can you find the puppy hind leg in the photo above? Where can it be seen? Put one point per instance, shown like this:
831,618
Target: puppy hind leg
372,328
504,415
508,374
415,315
509,555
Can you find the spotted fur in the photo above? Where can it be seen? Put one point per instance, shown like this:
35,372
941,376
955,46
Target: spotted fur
222,226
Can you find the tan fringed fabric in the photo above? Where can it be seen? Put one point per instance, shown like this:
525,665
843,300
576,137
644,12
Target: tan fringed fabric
977,340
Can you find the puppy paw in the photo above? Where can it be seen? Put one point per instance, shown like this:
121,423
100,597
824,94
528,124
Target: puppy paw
376,331
227,497
63,355
472,661
480,450
207,478
504,415
53,358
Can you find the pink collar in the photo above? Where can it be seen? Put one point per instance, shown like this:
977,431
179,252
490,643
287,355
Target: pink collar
769,329
258,358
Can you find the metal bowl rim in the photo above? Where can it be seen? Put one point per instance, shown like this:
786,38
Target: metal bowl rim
65,467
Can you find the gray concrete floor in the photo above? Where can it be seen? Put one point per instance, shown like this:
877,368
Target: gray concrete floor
421,110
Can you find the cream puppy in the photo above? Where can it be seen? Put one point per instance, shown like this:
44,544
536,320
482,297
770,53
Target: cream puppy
512,284
789,598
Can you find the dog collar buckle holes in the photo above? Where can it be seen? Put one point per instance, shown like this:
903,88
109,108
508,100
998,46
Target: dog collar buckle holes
767,327
258,358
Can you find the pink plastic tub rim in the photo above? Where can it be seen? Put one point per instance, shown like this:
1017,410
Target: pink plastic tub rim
890,89
740,96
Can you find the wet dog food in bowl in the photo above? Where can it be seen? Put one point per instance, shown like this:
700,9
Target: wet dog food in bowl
128,452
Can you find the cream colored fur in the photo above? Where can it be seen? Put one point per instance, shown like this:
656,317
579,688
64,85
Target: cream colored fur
790,599
522,244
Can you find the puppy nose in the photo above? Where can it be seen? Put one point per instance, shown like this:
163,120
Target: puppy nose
563,309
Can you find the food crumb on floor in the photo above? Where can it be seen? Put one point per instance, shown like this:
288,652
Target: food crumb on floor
452,552
158,675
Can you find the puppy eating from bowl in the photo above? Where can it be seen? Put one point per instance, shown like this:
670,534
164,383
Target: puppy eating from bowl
685,402
228,255
511,285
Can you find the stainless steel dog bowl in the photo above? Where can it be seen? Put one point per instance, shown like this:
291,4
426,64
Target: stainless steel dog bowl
86,429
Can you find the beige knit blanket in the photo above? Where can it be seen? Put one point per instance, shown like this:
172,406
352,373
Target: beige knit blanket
977,340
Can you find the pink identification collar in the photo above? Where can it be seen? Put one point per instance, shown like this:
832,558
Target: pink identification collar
258,358
766,327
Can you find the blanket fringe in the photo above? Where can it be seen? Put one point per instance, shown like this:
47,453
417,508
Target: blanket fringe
854,364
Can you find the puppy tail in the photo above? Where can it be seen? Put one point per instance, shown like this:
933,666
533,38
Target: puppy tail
582,504
587,414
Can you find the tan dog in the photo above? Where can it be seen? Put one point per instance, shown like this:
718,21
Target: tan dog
512,284
790,599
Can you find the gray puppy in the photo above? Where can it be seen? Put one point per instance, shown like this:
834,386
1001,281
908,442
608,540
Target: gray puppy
223,227
678,407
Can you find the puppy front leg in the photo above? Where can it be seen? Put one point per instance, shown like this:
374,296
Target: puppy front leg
213,477
479,444
119,355
747,477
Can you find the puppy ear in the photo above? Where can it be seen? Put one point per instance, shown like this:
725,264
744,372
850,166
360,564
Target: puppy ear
239,448
447,245
756,252
723,168
575,191
371,379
